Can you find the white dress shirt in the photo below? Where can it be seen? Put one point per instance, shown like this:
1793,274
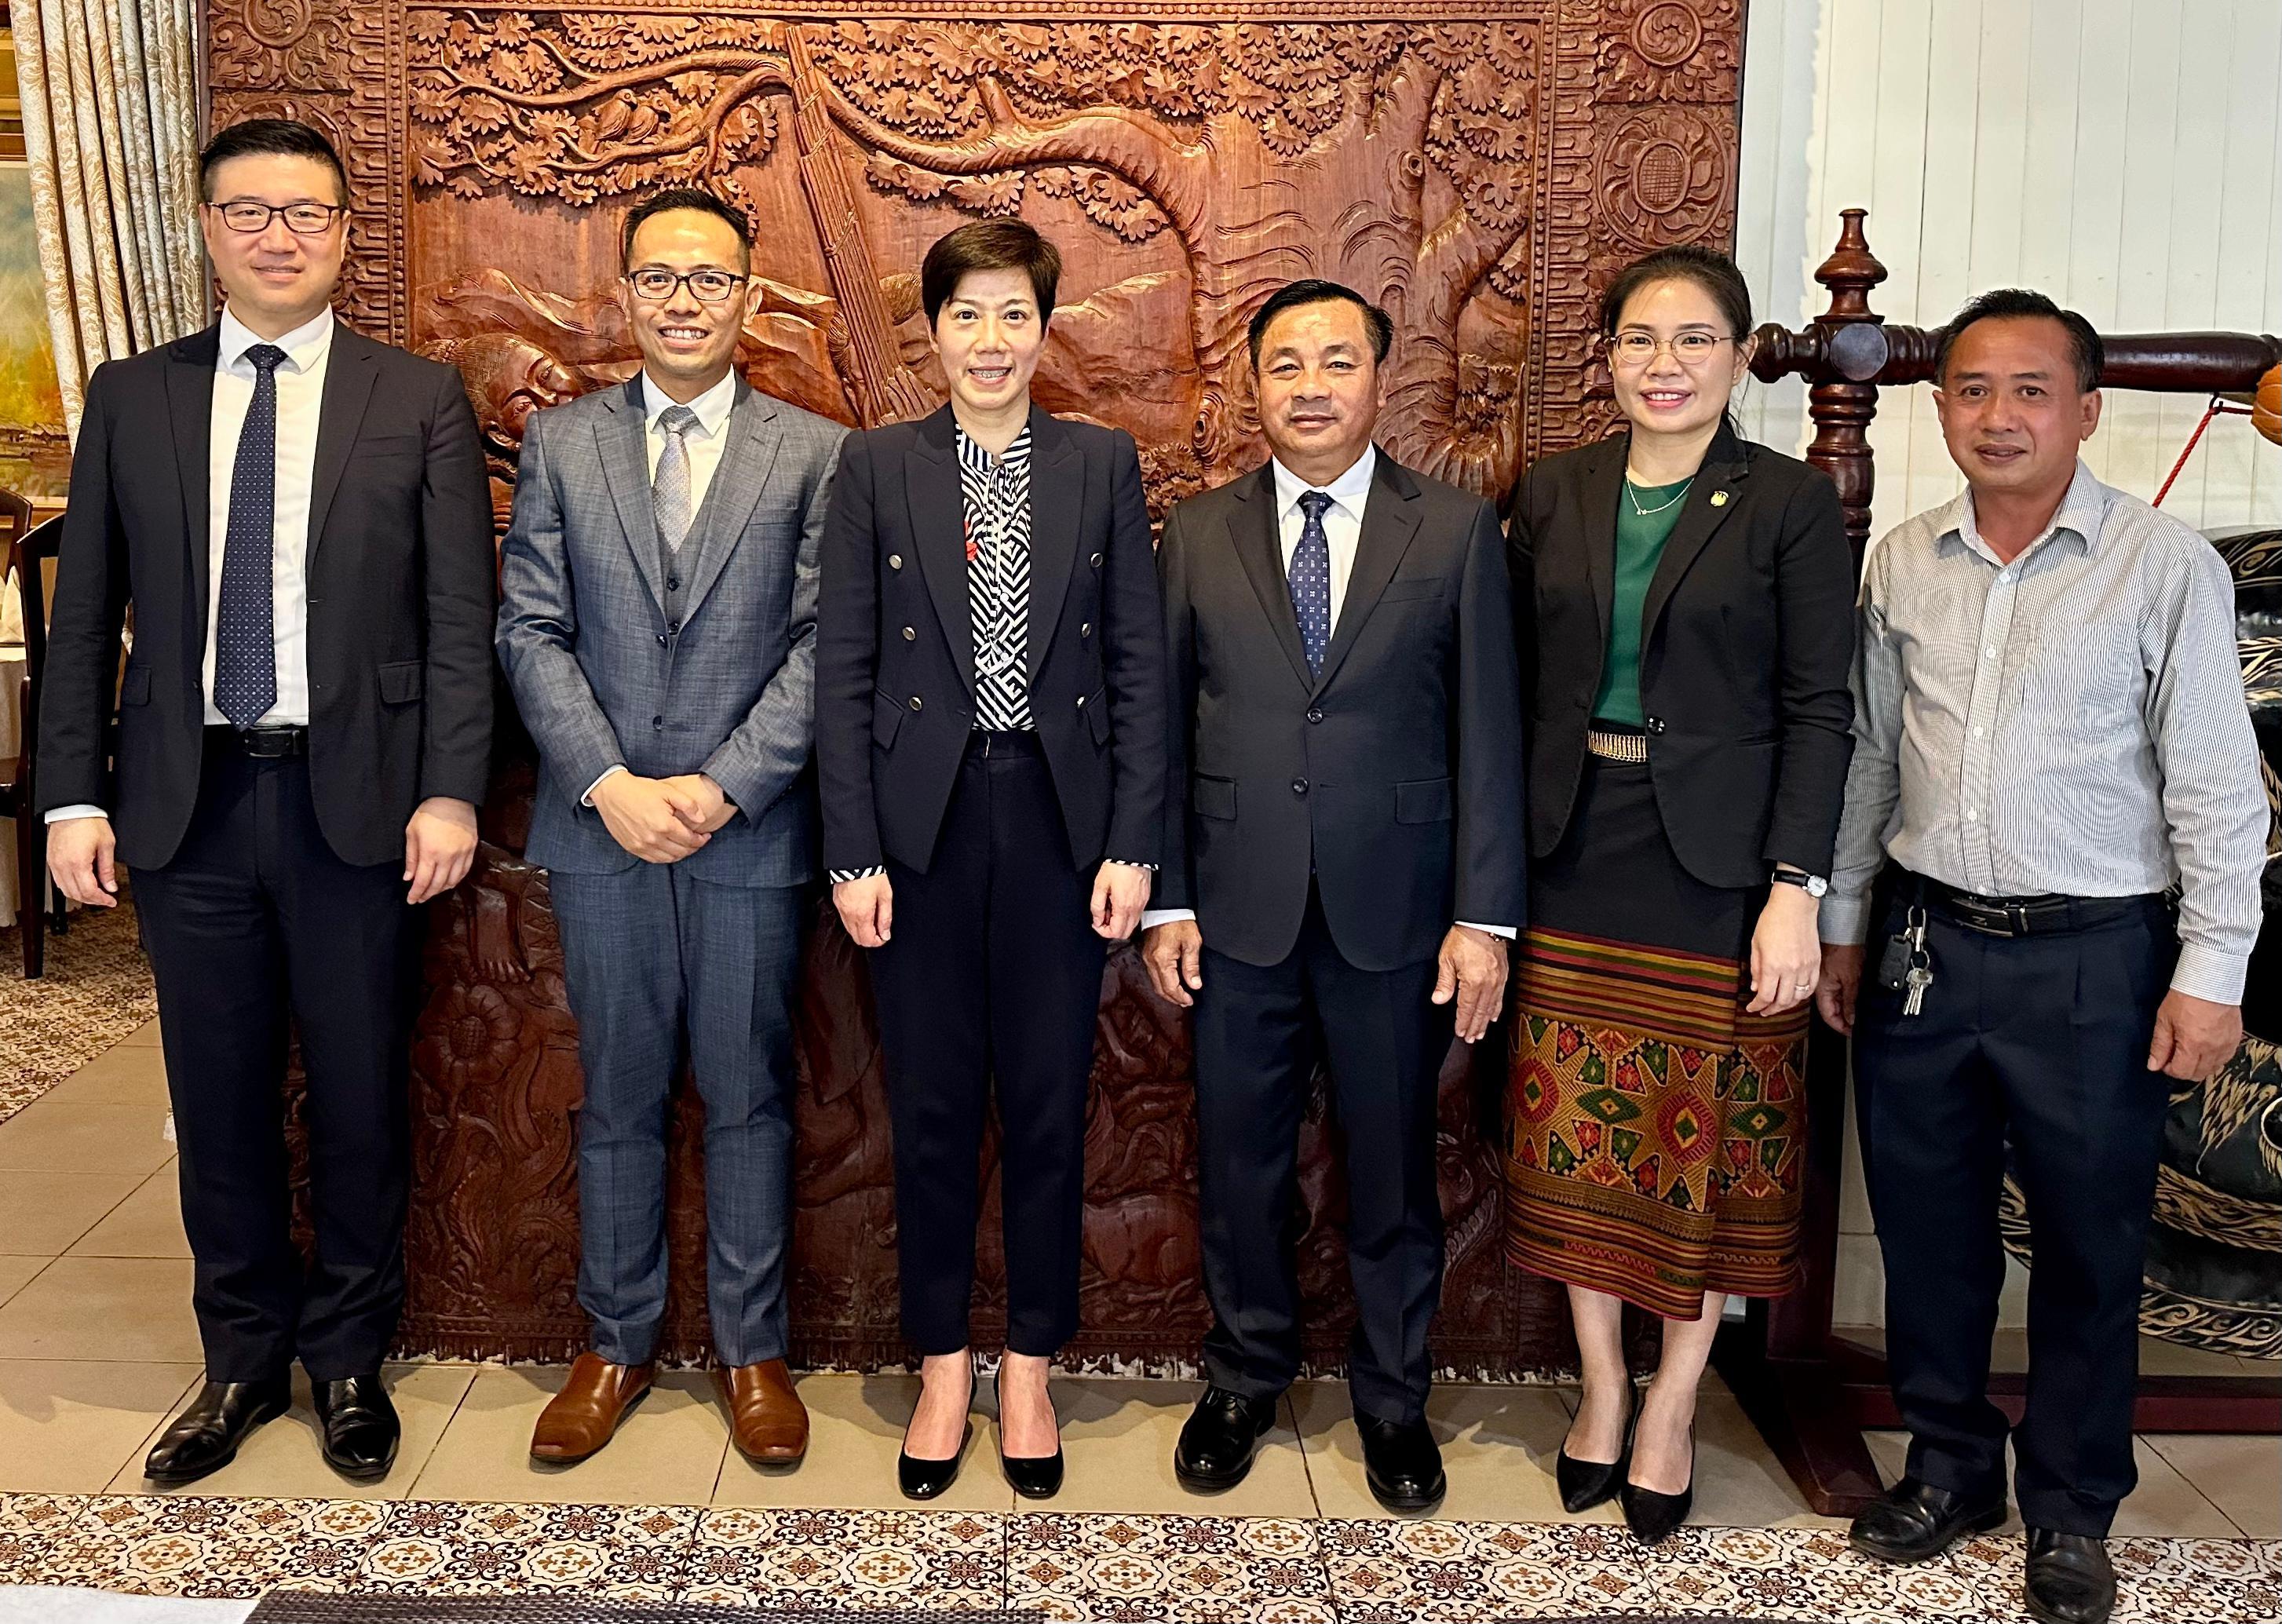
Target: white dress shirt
1343,531
706,439
300,398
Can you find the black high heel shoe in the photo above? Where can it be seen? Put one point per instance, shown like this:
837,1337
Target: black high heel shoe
923,1480
1034,1477
1585,1484
1654,1516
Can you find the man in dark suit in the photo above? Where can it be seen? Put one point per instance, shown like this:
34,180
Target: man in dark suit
300,520
1343,855
659,624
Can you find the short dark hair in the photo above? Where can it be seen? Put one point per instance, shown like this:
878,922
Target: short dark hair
1707,269
989,246
2084,348
1316,290
279,137
674,199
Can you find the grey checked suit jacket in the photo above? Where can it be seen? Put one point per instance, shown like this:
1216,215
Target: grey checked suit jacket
706,665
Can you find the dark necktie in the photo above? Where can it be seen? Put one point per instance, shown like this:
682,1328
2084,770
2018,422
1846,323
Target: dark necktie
246,641
1311,580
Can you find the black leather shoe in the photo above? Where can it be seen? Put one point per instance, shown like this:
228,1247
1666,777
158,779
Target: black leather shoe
2071,1579
205,1437
1034,1477
1913,1521
1652,1515
1219,1438
357,1426
1403,1463
1585,1484
923,1480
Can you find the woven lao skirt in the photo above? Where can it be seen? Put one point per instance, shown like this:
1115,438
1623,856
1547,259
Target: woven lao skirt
1655,1131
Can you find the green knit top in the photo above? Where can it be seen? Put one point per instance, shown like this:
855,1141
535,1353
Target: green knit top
1639,544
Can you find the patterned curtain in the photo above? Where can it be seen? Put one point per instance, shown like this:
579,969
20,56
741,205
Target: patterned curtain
111,128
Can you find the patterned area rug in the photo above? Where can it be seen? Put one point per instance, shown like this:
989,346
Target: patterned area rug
303,1607
1134,1569
95,990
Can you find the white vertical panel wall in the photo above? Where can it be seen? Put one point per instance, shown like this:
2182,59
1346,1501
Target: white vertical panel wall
2123,156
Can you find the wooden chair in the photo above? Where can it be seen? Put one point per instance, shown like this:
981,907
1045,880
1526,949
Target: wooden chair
29,549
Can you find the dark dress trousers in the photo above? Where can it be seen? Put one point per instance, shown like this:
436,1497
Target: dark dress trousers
1328,830
271,886
992,975
1749,629
623,651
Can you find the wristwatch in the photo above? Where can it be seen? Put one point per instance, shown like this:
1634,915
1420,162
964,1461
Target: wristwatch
1814,885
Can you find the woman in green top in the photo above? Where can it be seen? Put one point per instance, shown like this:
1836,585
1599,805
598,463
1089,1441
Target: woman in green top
1686,609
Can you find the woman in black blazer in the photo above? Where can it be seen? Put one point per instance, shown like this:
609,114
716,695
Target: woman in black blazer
990,738
1685,603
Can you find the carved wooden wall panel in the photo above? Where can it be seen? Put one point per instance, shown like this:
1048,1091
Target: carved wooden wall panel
1480,169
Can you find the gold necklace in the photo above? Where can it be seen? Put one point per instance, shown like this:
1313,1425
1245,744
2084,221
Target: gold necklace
1642,512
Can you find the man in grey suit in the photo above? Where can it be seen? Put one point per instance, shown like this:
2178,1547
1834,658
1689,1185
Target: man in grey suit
657,624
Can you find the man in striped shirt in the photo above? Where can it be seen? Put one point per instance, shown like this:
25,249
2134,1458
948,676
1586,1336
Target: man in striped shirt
2054,770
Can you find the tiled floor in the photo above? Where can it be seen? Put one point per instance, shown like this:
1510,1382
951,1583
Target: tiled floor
96,1347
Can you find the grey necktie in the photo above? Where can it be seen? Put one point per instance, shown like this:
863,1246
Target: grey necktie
669,487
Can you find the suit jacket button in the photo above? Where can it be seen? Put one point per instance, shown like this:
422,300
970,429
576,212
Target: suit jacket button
657,721
909,635
673,583
1298,786
915,702
1315,715
1655,724
660,639
895,561
1081,702
673,627
1085,628
1097,561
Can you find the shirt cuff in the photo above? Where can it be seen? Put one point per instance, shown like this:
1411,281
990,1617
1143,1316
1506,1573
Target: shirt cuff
65,814
1151,918
841,876
1127,862
1507,931
1843,921
2207,973
588,799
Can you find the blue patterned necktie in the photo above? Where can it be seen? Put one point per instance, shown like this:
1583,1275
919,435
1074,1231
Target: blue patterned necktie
246,641
1311,580
669,487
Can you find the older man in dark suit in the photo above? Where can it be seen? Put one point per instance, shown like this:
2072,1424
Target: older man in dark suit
300,519
1343,857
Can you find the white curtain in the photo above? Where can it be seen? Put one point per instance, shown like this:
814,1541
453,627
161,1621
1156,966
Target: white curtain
111,127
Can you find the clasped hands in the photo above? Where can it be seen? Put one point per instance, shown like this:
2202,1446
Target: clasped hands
662,819
1470,969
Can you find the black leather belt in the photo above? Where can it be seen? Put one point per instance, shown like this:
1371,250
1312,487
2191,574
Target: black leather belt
2041,914
1013,742
261,743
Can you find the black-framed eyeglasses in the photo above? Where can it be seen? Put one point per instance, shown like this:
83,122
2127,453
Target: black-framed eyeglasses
710,285
244,214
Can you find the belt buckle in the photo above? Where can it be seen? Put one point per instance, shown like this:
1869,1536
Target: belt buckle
2017,915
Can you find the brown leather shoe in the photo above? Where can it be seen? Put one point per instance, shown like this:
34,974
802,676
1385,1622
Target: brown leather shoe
583,1417
765,1416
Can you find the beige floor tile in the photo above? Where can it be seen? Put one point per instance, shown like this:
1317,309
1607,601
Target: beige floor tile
144,1036
2158,1357
1117,1441
43,1214
131,1309
66,1427
2241,1475
148,1224
124,1075
18,1272
1891,1453
281,1460
2167,1505
856,1430
1739,1483
1498,1445
668,1452
61,1134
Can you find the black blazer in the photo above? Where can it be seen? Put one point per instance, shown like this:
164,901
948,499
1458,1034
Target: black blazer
1393,776
401,583
895,643
1747,645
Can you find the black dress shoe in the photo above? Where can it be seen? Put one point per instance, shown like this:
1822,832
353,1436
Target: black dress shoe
1585,1484
1913,1521
1219,1438
1652,1515
205,1437
357,1426
2071,1579
1403,1463
923,1480
1034,1477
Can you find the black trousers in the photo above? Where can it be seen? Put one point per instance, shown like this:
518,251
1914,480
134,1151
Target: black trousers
256,918
991,974
2041,1041
1259,1033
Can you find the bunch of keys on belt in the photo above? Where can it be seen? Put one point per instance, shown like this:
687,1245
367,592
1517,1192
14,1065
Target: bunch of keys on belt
1905,966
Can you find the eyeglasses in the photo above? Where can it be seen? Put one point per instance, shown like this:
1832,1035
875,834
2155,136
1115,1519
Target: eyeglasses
710,286
1637,349
243,214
